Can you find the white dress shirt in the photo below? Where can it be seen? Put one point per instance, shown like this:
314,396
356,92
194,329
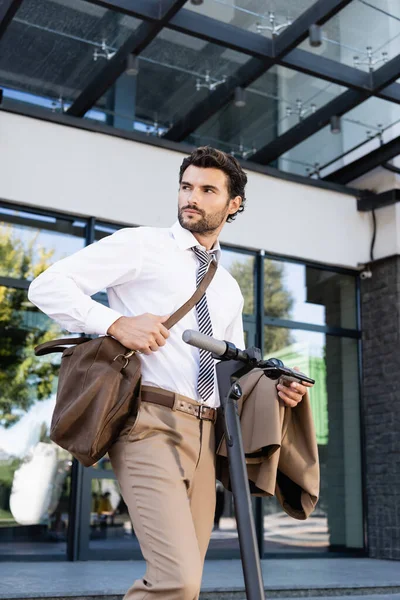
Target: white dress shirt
144,270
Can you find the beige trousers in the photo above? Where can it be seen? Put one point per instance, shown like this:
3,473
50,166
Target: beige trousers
164,461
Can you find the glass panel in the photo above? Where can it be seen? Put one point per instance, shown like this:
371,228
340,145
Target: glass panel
362,130
110,524
337,522
102,230
349,38
309,295
34,472
242,268
104,464
274,103
224,537
269,17
173,74
53,48
29,242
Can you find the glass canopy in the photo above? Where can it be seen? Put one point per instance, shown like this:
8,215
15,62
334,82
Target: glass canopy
248,76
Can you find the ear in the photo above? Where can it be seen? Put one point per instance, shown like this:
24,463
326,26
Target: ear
234,205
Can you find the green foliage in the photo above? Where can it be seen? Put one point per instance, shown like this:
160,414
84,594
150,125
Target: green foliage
24,378
278,301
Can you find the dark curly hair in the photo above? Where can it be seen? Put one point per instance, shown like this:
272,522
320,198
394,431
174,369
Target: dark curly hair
207,157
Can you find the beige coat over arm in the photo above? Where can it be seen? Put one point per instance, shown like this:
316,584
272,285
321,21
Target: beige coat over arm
280,447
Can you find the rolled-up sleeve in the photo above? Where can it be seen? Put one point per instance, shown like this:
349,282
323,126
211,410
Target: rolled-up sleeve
64,290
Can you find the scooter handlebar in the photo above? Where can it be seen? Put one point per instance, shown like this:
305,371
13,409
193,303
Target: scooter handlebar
204,342
273,368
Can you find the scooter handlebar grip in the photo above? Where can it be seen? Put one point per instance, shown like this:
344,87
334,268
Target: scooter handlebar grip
204,342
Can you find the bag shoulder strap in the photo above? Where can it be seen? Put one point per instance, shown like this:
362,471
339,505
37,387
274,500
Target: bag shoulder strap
193,300
60,344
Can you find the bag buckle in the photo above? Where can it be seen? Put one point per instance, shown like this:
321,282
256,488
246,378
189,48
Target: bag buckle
126,356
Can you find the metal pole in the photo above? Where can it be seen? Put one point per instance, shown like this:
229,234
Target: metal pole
229,395
259,303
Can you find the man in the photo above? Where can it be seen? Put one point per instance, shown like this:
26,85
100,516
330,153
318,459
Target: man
164,458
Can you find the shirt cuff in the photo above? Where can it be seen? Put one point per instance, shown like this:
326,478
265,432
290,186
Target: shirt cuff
100,318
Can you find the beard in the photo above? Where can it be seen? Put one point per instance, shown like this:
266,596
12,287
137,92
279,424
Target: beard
207,223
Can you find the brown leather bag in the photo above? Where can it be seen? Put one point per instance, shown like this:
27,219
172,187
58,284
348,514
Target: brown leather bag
99,387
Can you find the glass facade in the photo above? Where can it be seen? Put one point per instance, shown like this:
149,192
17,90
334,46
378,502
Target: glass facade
337,522
35,474
50,505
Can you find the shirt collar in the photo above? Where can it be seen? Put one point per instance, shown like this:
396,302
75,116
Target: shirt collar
186,240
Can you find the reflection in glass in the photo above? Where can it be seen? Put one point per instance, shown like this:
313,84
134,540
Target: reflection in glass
34,472
110,524
309,295
241,267
29,243
224,536
337,521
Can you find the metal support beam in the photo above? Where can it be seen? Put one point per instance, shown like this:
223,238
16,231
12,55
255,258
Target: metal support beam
387,74
366,163
374,201
146,10
135,44
319,13
8,8
306,128
391,93
391,168
223,34
339,106
327,69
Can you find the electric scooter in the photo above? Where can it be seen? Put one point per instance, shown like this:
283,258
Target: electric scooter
235,363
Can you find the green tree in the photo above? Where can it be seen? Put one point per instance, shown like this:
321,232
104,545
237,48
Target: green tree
24,378
278,301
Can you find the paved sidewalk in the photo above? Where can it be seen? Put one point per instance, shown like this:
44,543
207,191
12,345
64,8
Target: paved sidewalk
222,578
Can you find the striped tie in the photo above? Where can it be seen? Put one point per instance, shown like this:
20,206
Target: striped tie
205,382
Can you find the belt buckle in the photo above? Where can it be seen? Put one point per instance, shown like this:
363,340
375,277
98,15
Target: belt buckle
202,410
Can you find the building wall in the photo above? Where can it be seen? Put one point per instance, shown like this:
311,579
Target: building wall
64,168
381,366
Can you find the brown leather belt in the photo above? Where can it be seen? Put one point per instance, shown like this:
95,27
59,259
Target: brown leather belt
177,402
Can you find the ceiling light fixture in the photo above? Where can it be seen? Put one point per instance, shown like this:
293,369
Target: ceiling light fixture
240,97
315,36
336,126
132,65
